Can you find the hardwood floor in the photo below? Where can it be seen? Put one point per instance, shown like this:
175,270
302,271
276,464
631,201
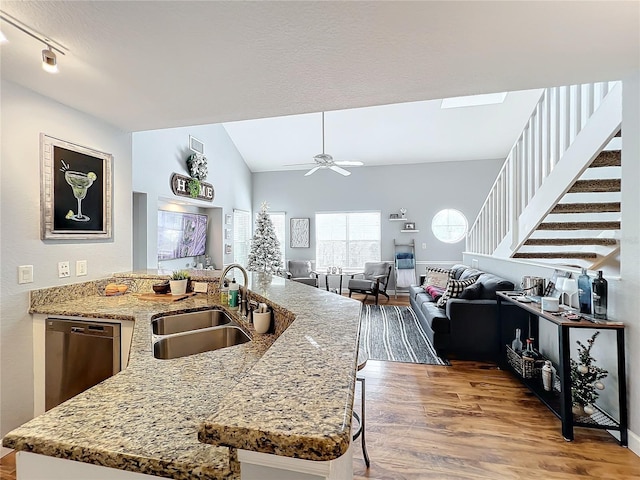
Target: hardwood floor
473,421
467,421
8,467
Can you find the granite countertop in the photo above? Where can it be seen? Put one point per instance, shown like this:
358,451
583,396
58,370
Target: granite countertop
288,393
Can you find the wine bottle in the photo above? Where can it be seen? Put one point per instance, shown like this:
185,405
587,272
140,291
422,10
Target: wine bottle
584,292
599,287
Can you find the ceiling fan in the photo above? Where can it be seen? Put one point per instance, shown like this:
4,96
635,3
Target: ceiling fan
324,160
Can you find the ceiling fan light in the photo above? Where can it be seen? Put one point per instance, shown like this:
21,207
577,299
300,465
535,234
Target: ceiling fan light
49,61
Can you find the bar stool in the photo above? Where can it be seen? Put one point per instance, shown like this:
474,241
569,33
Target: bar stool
362,361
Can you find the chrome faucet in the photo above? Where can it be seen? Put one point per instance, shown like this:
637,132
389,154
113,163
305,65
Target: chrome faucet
243,296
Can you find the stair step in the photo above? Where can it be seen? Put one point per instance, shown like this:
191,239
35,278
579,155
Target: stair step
608,185
581,255
579,226
572,241
608,158
586,207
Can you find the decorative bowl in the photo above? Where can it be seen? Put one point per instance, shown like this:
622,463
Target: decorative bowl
161,287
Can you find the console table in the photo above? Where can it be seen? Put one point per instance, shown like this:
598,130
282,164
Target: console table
560,402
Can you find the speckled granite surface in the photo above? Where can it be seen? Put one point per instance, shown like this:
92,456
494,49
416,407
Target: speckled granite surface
288,393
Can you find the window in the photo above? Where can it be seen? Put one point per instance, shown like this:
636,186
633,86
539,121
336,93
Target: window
347,239
241,236
449,225
278,220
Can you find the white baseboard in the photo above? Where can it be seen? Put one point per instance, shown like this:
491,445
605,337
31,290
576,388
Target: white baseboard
5,451
634,442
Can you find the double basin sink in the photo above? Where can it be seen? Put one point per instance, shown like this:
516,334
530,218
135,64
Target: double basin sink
195,332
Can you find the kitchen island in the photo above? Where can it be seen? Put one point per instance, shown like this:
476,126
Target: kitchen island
288,394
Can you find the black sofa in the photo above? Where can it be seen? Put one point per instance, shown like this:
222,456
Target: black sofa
468,328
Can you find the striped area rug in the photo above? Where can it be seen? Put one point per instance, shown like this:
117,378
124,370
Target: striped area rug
394,334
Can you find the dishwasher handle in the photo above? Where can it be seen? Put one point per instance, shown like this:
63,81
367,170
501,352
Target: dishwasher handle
78,327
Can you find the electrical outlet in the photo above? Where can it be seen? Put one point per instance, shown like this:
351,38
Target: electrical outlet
25,274
81,268
424,246
63,270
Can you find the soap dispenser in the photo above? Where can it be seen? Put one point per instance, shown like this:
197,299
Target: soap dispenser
224,293
234,294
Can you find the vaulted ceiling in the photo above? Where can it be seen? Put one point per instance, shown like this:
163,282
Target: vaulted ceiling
150,65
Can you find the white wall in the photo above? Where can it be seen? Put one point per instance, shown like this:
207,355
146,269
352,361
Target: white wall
423,189
626,298
24,116
159,153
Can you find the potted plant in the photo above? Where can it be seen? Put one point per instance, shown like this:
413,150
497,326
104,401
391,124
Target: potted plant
178,282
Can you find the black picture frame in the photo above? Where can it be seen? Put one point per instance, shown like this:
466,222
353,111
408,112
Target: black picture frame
409,226
75,191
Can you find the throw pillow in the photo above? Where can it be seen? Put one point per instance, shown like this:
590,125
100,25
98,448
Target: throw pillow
454,289
434,292
472,292
437,277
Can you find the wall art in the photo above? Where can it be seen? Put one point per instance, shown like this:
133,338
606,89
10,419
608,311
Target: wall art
299,233
75,191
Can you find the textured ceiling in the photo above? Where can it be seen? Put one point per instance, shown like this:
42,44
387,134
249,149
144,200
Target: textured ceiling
149,65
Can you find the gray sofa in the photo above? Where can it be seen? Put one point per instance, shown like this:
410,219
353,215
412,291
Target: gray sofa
467,328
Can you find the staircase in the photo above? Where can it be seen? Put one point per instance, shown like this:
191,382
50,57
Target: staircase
556,199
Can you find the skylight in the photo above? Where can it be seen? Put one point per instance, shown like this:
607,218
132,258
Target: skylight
474,100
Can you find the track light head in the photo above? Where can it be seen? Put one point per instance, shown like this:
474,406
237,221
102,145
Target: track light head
49,60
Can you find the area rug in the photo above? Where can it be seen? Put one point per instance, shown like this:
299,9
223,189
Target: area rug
394,334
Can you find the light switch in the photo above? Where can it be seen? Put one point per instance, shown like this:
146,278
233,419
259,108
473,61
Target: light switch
25,274
81,268
424,246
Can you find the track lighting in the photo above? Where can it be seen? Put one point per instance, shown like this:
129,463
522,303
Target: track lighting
49,60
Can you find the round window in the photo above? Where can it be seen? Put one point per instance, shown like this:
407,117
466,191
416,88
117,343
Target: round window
449,225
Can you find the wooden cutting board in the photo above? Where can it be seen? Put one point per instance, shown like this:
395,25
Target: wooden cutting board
164,297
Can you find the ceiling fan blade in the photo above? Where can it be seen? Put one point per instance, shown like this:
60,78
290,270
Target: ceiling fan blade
299,164
347,163
313,170
341,171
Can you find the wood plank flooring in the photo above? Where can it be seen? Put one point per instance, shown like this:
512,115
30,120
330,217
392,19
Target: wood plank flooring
473,421
467,421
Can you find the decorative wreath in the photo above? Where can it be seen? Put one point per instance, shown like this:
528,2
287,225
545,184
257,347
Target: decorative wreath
197,166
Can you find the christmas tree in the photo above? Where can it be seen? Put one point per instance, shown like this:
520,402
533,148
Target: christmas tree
265,247
585,376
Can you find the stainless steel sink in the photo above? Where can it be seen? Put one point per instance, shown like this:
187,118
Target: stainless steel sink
198,342
184,322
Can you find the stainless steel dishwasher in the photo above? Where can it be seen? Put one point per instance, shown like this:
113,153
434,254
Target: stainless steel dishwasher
78,355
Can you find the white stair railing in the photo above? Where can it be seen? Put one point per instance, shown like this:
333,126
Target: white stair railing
557,119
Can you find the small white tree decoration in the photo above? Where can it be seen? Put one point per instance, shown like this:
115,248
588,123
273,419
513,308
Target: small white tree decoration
585,377
264,255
